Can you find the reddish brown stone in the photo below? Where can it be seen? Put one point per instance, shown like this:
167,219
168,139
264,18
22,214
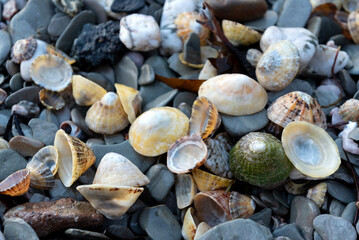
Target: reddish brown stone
48,217
27,147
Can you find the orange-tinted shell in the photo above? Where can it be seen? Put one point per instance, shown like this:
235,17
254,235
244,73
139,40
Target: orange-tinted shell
296,106
353,26
23,49
241,206
208,182
239,34
16,184
349,111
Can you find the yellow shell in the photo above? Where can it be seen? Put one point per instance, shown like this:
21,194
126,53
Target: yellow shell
75,157
58,53
85,91
349,111
131,101
186,23
238,34
107,115
23,49
353,26
185,190
207,182
16,184
155,130
241,206
296,106
202,228
278,65
234,94
317,193
189,227
51,100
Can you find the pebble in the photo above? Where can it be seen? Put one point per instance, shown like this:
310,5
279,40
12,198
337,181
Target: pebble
159,223
332,228
347,82
16,82
59,190
113,138
269,19
126,72
10,162
27,147
127,5
353,52
97,9
147,75
88,176
5,45
18,229
353,158
336,208
186,109
36,197
327,96
349,212
294,13
288,230
136,57
119,232
295,85
25,129
11,67
49,116
328,28
161,100
43,131
161,181
27,93
160,66
176,65
184,97
192,49
58,24
152,91
84,234
107,71
101,80
135,225
340,192
263,217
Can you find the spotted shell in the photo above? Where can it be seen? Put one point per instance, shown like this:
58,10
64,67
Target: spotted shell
353,26
51,100
16,184
131,101
185,190
234,94
207,182
317,193
239,34
241,206
349,111
85,91
278,65
23,49
296,106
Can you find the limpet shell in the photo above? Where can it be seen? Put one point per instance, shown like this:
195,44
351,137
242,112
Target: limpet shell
278,65
23,49
202,228
311,149
58,53
239,34
51,100
16,184
189,227
208,182
353,26
41,176
241,206
49,157
234,94
131,101
317,193
349,111
186,189
85,91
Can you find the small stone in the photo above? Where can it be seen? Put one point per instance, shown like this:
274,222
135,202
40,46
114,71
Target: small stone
26,146
353,52
59,190
10,162
135,225
316,236
25,129
186,109
328,28
314,25
161,101
294,13
58,24
18,229
176,65
5,45
11,67
152,91
94,141
353,157
184,97
101,80
43,131
192,49
114,138
147,75
263,217
269,19
16,82
49,116
119,232
332,228
27,93
295,85
290,231
327,96
161,181
127,5
347,82
107,71
71,7
36,197
10,9
341,40
341,192
126,72
336,208
88,176
160,66
97,9
84,234
349,212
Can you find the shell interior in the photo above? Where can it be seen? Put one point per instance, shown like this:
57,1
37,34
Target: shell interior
16,184
23,49
51,100
49,157
131,100
189,227
41,176
85,91
207,182
185,190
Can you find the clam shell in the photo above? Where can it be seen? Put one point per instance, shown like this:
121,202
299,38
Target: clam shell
85,91
16,184
51,72
353,26
107,116
296,106
278,66
349,111
209,182
155,130
186,153
41,176
131,101
234,94
51,100
311,149
202,228
317,193
189,227
205,118
239,34
75,157
58,53
49,157
241,206
23,49
110,200
185,190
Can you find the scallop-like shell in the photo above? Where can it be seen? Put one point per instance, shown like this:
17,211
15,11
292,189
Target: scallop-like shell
111,200
3,144
241,206
202,228
75,157
51,72
186,153
51,100
23,49
107,116
208,182
239,34
131,101
49,157
206,52
353,26
187,22
278,66
41,176
311,149
317,193
234,94
58,53
253,56
16,184
349,111
205,118
155,130
185,190
296,106
85,91
189,227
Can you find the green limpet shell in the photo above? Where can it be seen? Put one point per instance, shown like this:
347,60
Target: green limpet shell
259,159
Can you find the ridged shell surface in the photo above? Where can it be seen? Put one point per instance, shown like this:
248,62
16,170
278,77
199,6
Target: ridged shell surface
41,176
208,182
16,184
238,34
23,49
131,100
85,91
241,206
349,111
353,26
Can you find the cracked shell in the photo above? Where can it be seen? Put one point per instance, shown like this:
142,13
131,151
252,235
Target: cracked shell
85,91
23,49
16,184
131,101
239,34
353,26
349,111
208,182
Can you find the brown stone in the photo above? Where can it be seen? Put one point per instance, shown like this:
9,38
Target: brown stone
51,216
27,147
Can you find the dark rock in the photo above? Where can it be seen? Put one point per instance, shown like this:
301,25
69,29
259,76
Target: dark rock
161,101
127,5
347,82
36,197
186,97
119,232
289,230
263,217
16,82
341,192
192,49
59,190
152,91
12,68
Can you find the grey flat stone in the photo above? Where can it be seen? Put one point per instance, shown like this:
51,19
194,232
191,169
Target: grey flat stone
16,82
294,13
347,82
43,131
349,212
58,24
147,75
295,85
161,100
152,91
336,208
186,97
161,181
353,52
333,228
26,93
290,231
263,217
160,66
97,9
126,72
176,65
36,197
84,234
5,45
60,191
18,229
119,232
341,192
353,158
10,162
269,19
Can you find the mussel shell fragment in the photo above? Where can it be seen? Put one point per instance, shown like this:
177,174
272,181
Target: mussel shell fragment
16,184
51,100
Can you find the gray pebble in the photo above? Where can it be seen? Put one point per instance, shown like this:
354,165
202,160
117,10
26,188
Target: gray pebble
59,190
16,82
294,13
186,109
347,82
353,158
135,225
289,230
49,116
36,197
317,236
25,129
10,162
3,121
186,97
160,66
58,24
147,75
349,212
341,192
161,181
97,9
88,176
295,85
269,19
28,93
176,65
336,208
5,45
107,71
333,228
152,91
101,80
161,100
64,114
79,119
326,98
18,229
114,138
43,131
340,40
314,25
328,28
353,52
119,232
126,72
11,67
263,217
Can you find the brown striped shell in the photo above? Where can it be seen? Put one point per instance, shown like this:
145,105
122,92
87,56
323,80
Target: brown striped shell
208,182
51,100
239,34
23,49
16,184
317,193
353,26
349,111
241,206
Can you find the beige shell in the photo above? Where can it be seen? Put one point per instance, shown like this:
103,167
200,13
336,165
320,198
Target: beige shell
205,118
353,26
75,157
296,106
185,190
3,144
155,130
317,193
23,49
16,184
48,156
202,228
186,23
278,65
107,115
85,91
186,153
311,149
241,206
206,52
295,188
189,227
51,100
131,101
111,200
58,53
253,56
207,182
239,34
349,111
234,94
207,71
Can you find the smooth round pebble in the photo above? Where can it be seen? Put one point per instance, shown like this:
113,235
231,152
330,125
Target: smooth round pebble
333,228
341,192
17,228
26,146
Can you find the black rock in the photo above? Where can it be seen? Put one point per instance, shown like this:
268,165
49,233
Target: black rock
127,5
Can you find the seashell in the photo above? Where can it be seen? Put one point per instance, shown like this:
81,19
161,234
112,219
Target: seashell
41,176
74,157
209,182
207,71
311,149
239,34
26,109
58,53
70,7
349,111
202,228
185,190
49,157
155,130
71,129
51,100
259,159
23,49
317,193
131,101
278,66
296,106
213,207
51,72
206,52
295,188
115,169
350,5
85,91
111,200
107,116
189,227
234,94
186,153
241,206
186,23
3,95
3,144
16,184
253,56
205,118
353,26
